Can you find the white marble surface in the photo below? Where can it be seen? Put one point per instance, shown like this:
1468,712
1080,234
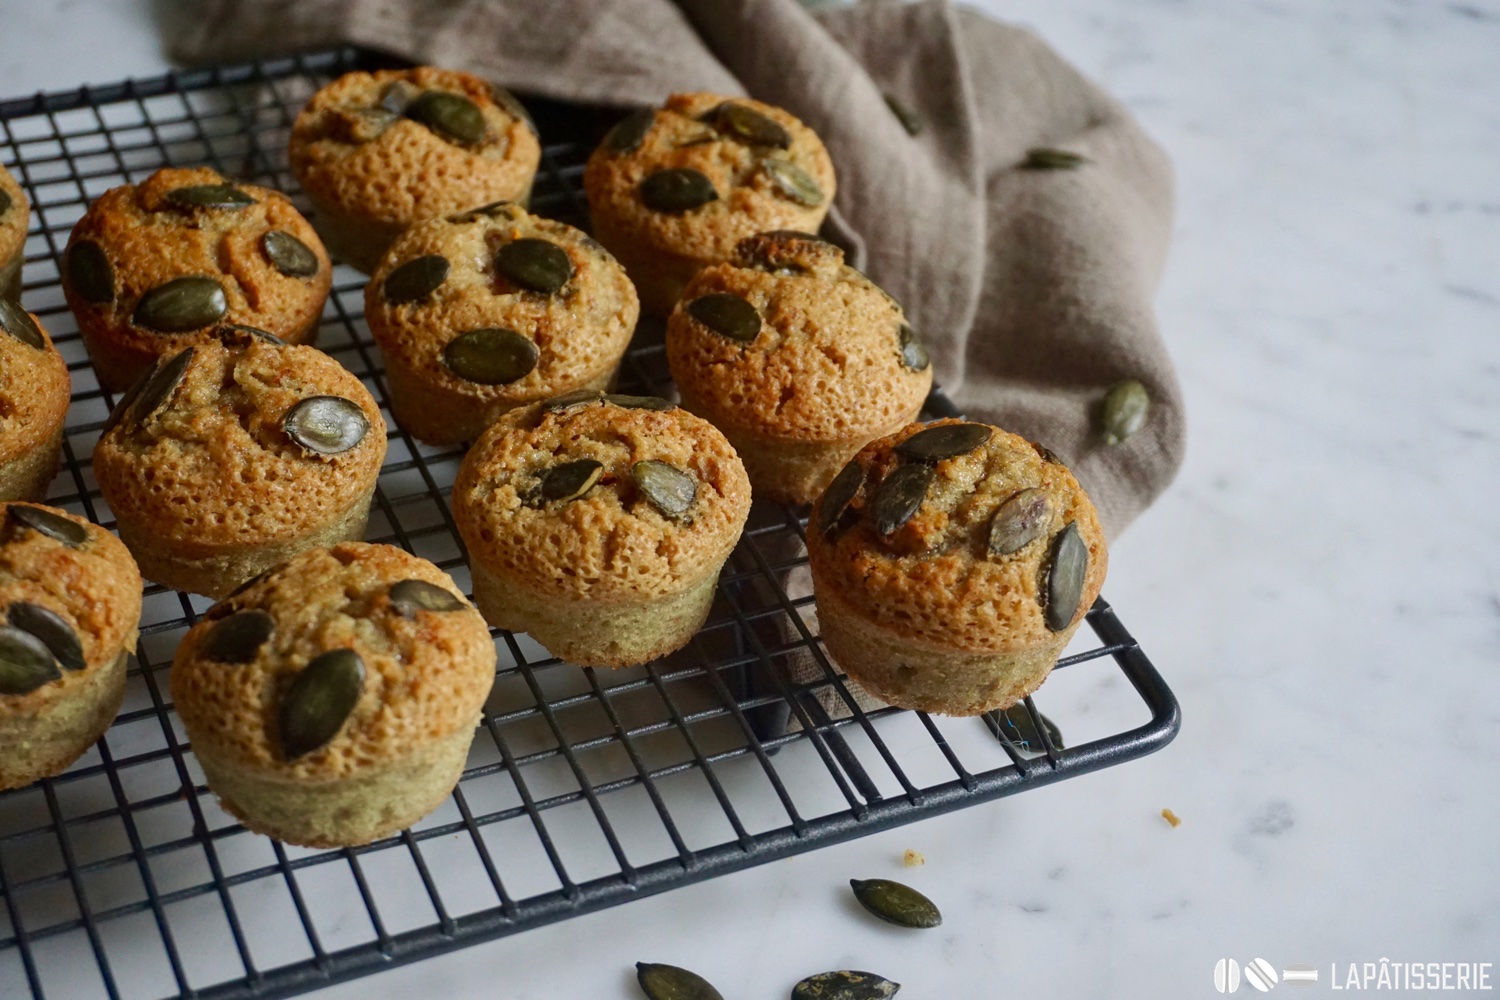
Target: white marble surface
1321,586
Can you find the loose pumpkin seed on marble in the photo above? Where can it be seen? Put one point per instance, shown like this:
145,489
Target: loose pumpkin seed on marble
54,526
397,96
410,596
318,701
900,496
52,629
25,662
669,489
1043,158
537,265
17,322
668,982
238,638
896,903
451,116
748,126
1127,404
569,481
1016,725
727,315
630,131
159,388
909,119
89,272
839,495
678,189
222,195
845,984
326,425
416,279
491,356
913,354
1021,520
794,182
181,305
945,441
628,402
1065,575
288,254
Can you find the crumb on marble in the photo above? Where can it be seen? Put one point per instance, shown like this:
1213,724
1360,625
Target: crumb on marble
1172,818
913,859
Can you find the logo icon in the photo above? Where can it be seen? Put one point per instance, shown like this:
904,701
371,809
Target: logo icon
1226,975
1260,974
1299,975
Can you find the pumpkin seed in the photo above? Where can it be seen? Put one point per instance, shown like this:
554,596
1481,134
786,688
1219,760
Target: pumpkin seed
56,527
318,701
491,356
326,425
895,903
490,210
507,102
630,131
839,495
18,323
238,334
365,124
5,203
539,265
416,279
913,354
397,97
89,272
1016,725
909,119
1126,406
25,663
794,182
238,638
410,596
182,304
126,400
52,629
222,195
654,403
289,255
944,441
845,985
1043,158
155,393
668,982
748,126
237,591
1065,575
571,399
727,315
669,489
679,189
452,116
569,481
1047,454
1021,520
900,496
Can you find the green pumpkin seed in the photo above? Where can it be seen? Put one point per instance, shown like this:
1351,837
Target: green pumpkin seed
945,441
25,663
571,399
727,315
680,189
89,272
126,400
490,210
1021,520
318,701
397,97
237,591
913,354
845,985
164,381
289,255
748,126
17,322
52,629
669,489
1047,454
182,304
668,982
630,131
507,102
236,334
839,495
451,116
368,124
569,481
410,596
539,265
1065,576
491,356
1016,725
56,527
895,903
626,402
416,279
223,195
238,638
909,119
900,496
1126,406
794,182
326,425
5,203
1043,158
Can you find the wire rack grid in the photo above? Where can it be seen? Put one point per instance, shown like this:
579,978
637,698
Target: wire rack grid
122,878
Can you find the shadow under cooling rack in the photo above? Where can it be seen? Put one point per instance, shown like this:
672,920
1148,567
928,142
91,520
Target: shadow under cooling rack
122,878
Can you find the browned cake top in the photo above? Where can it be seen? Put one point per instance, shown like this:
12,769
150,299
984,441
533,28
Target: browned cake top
241,443
425,663
762,168
960,554
378,146
556,497
34,383
15,216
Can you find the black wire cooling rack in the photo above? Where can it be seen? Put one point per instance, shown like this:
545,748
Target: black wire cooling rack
123,879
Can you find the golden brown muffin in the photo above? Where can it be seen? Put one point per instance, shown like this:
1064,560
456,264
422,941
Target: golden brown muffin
951,563
232,457
599,524
15,218
332,701
490,309
153,267
377,151
675,188
70,597
34,391
798,358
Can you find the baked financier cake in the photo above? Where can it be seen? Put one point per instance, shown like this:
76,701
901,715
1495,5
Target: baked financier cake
34,393
332,701
15,217
674,188
798,358
599,524
70,600
377,151
154,267
951,564
483,311
234,456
